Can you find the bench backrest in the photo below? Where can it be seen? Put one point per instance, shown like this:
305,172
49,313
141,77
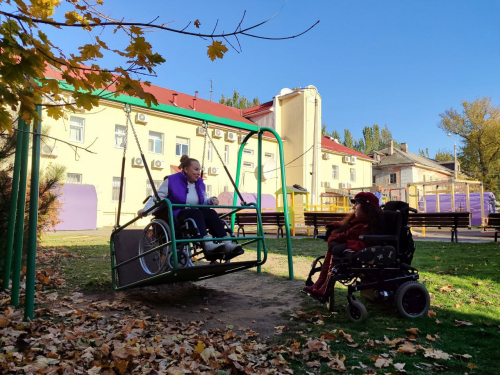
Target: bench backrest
494,219
439,219
320,219
268,218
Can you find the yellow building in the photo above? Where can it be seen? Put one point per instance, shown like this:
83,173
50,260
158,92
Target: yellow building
174,128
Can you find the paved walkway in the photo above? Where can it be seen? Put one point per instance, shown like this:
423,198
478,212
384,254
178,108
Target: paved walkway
438,235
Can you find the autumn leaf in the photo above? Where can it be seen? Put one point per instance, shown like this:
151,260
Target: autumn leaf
197,23
436,354
431,313
412,331
407,348
460,323
216,50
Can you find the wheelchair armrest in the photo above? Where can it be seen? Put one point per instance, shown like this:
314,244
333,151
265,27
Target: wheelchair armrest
378,238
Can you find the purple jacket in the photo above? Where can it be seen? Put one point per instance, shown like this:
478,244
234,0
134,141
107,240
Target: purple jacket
177,190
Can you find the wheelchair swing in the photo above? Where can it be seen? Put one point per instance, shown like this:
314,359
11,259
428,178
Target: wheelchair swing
142,257
381,272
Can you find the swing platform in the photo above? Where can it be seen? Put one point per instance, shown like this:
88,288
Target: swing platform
128,273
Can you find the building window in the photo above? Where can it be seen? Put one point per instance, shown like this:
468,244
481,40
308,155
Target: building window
149,190
374,180
209,152
268,155
226,154
120,136
247,151
115,194
247,164
155,143
226,189
353,175
393,178
181,146
335,172
209,190
76,129
73,178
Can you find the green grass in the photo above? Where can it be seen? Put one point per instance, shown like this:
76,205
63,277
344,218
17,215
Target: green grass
463,280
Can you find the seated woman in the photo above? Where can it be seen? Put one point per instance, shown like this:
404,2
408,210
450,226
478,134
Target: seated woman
366,219
187,187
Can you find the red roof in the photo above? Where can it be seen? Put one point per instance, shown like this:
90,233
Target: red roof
166,96
327,143
264,107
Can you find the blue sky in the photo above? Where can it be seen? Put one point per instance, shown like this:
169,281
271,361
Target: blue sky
395,63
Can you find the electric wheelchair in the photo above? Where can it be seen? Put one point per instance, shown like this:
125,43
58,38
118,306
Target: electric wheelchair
381,272
158,259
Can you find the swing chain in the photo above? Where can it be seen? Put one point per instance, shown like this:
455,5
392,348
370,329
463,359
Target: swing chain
127,108
205,126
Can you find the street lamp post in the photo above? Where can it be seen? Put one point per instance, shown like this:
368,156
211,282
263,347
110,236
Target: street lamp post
455,151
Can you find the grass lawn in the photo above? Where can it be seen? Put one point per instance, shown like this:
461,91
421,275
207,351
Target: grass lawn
463,280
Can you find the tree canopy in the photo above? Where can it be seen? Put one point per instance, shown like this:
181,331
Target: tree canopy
238,101
478,126
27,52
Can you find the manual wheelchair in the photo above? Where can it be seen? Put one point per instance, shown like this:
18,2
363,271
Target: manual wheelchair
156,259
381,272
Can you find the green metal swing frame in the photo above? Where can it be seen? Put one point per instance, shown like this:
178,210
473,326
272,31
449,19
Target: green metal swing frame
199,272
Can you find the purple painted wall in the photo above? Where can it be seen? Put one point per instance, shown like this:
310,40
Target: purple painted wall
461,204
79,208
268,201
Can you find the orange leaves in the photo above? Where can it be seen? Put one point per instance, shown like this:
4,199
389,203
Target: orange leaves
197,23
216,50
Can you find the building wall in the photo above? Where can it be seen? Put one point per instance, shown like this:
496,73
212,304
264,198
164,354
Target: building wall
362,170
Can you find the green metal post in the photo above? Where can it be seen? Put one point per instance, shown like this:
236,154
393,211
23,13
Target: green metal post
29,298
13,205
19,228
259,194
285,202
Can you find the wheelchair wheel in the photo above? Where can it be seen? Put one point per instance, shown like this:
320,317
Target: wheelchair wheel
155,234
183,259
412,299
356,312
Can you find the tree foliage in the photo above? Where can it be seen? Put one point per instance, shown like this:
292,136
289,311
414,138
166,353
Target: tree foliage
478,126
27,51
238,101
444,155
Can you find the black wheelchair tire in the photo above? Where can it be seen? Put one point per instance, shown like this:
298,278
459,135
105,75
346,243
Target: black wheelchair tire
160,229
183,258
356,311
412,300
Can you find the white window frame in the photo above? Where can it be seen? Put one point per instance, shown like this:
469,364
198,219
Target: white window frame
70,177
248,164
248,151
149,189
395,178
180,141
352,174
80,126
115,189
209,152
153,151
209,190
269,155
226,154
335,172
118,134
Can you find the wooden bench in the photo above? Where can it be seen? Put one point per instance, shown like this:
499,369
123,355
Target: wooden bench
276,219
494,222
321,219
454,220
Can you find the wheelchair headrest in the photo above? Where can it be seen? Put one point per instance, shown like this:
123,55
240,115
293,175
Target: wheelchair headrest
393,222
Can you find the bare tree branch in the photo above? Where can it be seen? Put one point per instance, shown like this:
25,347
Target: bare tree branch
161,27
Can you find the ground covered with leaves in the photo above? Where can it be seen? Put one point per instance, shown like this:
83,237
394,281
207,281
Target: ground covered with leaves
82,327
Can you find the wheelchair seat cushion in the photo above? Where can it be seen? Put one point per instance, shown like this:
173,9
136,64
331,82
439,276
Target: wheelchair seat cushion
376,255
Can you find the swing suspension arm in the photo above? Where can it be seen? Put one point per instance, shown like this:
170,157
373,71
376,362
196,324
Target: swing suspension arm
205,125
